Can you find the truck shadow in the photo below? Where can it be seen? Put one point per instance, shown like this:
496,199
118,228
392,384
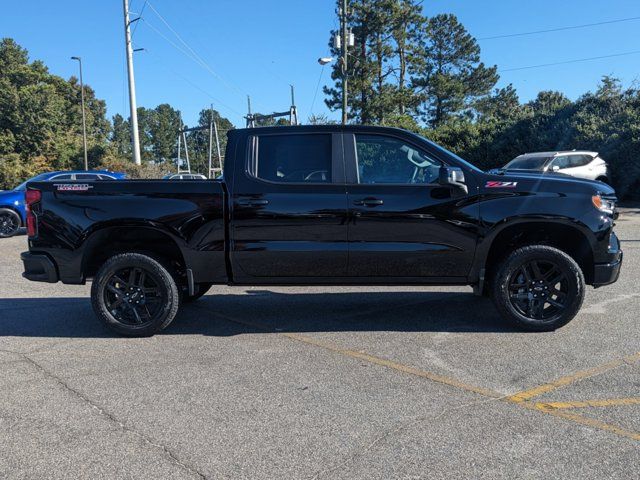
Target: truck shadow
265,311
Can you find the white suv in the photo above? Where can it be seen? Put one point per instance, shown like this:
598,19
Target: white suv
581,164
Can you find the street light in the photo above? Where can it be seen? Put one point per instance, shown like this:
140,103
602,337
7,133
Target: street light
324,60
84,122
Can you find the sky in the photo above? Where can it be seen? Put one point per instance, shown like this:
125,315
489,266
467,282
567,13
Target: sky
225,50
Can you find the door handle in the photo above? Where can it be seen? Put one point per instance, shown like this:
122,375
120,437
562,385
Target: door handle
369,202
253,203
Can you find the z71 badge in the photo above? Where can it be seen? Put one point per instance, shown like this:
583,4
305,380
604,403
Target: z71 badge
73,187
494,184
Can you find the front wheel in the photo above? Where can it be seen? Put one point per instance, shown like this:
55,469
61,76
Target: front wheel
134,295
9,223
538,288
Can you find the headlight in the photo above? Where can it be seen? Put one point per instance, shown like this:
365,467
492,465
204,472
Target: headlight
603,204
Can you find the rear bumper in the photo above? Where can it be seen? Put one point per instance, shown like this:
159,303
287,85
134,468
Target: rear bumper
606,273
39,268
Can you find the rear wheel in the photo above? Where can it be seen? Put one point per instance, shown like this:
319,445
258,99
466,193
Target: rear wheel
134,295
539,288
9,222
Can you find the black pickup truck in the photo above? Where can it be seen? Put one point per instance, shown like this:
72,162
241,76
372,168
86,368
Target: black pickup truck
327,205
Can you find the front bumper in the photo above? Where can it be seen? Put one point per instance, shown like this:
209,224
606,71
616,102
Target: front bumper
39,268
606,273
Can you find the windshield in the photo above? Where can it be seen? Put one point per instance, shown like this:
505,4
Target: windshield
447,152
527,163
23,185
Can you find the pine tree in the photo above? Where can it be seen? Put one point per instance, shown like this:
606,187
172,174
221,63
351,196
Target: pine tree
448,72
370,62
407,29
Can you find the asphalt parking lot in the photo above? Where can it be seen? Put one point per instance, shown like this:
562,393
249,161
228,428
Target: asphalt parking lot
320,383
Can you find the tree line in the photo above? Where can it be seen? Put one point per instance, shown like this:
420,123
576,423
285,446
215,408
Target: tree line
406,70
425,74
41,129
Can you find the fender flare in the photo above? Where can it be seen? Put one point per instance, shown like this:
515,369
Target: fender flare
98,232
476,275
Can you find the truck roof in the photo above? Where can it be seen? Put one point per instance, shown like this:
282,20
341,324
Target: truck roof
311,128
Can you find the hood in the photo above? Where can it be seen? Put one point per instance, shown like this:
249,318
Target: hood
552,180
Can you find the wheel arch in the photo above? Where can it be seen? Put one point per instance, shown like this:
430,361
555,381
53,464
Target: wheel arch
570,237
151,240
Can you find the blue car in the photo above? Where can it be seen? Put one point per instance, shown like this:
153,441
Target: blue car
12,208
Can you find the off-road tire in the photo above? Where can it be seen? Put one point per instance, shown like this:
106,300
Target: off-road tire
168,294
507,302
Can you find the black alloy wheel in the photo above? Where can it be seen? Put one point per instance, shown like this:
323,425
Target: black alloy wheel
135,295
538,288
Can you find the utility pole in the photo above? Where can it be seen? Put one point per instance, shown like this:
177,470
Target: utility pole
132,85
210,140
343,65
84,121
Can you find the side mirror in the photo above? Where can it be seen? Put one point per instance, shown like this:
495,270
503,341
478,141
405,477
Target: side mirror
453,176
555,168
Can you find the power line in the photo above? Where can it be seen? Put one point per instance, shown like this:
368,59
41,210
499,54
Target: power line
571,61
196,57
218,102
189,56
313,102
135,27
572,27
172,43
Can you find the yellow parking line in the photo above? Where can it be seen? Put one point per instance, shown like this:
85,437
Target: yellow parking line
586,421
610,402
539,407
521,399
395,366
569,379
373,359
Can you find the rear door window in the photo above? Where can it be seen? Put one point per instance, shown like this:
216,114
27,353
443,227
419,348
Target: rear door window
292,158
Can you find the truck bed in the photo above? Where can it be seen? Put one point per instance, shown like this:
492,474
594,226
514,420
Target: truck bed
73,216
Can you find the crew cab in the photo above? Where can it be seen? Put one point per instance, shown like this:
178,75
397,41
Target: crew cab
326,205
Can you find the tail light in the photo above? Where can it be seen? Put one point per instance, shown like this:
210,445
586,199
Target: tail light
31,198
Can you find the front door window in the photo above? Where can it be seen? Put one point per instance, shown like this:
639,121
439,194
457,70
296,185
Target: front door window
387,160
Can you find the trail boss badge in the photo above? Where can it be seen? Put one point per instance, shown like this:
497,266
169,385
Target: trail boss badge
73,187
